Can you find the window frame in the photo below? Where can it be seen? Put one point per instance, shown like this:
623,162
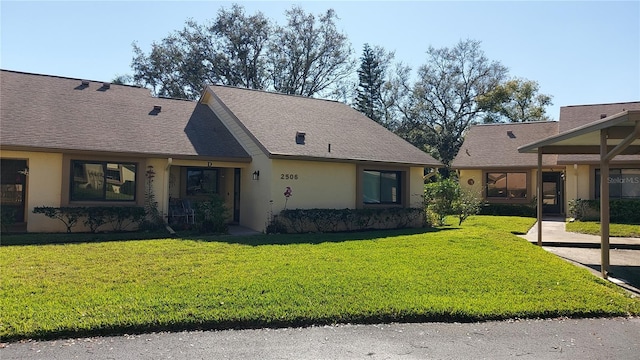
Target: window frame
185,190
506,196
105,180
596,188
399,190
66,178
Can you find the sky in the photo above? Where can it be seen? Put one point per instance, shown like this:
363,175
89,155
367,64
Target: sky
579,52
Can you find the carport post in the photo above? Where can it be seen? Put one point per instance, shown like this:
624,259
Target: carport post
604,204
539,195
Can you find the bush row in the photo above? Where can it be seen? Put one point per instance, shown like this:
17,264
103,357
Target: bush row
525,210
118,217
334,220
625,211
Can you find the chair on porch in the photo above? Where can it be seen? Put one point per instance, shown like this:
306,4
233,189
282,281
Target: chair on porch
181,212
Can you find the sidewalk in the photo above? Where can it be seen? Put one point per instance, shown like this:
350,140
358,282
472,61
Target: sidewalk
584,250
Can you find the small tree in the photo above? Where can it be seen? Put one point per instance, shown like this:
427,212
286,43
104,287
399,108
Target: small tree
439,199
468,203
445,197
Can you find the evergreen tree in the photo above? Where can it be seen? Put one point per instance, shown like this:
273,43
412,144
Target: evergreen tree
373,96
370,76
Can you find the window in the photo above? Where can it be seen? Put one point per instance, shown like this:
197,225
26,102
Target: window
508,185
381,187
103,181
202,181
623,184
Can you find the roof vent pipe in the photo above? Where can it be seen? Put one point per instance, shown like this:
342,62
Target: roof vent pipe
85,82
157,108
602,116
106,85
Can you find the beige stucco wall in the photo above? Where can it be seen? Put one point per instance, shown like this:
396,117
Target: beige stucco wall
475,176
577,182
44,184
416,187
315,184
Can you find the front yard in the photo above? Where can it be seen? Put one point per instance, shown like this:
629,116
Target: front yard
478,271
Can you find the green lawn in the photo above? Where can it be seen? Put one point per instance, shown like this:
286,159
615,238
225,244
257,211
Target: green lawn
478,271
593,228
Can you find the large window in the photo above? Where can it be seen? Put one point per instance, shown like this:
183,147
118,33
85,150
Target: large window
381,187
623,183
102,181
202,181
507,185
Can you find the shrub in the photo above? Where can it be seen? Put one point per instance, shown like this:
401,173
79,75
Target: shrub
120,217
334,220
526,210
439,199
622,211
7,218
68,215
211,215
468,203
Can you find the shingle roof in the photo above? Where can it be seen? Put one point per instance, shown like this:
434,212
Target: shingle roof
496,145
274,119
60,114
572,117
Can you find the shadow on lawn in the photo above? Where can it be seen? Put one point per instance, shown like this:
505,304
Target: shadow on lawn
310,238
253,240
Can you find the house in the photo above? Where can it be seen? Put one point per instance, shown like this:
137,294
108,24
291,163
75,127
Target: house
489,162
73,142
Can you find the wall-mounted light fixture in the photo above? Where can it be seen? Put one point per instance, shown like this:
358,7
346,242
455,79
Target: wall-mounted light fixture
24,172
256,175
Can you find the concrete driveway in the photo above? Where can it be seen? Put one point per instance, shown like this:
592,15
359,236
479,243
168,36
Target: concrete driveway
584,250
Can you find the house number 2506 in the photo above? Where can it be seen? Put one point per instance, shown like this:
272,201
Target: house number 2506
288,176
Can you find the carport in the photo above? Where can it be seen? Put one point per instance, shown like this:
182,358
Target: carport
614,135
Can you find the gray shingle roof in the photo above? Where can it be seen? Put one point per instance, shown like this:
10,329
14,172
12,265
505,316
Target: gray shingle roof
572,117
496,145
274,119
60,114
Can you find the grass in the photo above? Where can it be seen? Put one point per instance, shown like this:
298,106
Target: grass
478,271
593,228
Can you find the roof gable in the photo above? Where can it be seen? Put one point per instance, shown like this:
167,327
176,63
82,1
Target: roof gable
572,117
332,130
496,145
64,114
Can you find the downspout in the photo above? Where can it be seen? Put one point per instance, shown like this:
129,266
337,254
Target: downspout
165,202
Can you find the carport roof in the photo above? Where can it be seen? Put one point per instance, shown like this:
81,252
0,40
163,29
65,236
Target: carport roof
586,139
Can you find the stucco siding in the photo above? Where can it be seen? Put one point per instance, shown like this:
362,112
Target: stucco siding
472,180
416,187
314,184
44,185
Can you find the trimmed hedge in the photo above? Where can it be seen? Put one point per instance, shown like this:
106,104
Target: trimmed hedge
119,217
621,211
525,210
335,220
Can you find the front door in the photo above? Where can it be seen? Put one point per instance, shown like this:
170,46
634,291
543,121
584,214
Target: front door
552,193
13,181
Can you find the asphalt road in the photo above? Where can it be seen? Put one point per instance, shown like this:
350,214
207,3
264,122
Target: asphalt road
616,338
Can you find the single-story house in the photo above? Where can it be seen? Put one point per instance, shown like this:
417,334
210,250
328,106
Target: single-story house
489,162
74,142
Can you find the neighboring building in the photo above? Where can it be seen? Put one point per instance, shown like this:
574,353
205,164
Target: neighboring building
71,142
489,162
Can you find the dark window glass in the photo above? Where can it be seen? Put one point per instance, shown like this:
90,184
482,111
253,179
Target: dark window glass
381,187
202,181
102,181
506,185
623,183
